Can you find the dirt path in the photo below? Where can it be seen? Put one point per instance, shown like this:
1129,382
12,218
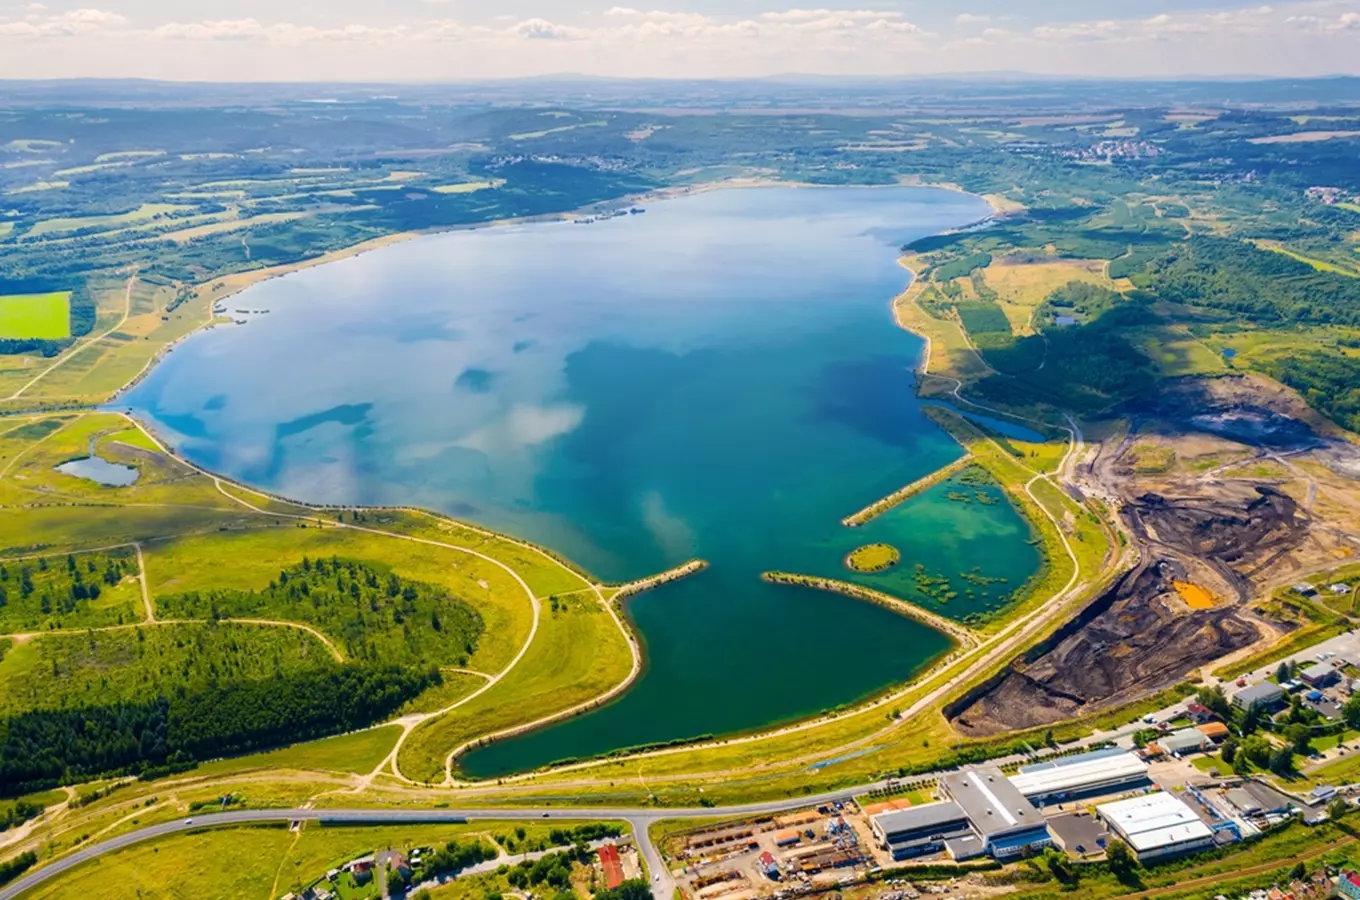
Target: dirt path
25,636
146,593
66,357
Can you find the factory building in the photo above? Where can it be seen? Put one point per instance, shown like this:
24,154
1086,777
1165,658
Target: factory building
1083,775
920,830
1006,822
1320,675
1265,695
1156,825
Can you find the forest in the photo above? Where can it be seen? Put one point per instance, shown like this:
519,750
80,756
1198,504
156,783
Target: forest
42,748
376,614
1263,287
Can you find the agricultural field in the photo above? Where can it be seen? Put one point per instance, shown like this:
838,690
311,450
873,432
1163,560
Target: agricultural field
40,316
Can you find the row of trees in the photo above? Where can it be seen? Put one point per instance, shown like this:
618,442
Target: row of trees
45,747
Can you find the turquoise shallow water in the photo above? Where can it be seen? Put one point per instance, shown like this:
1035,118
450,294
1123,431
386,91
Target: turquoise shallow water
720,378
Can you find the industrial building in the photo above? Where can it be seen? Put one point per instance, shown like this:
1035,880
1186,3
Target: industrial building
1185,740
920,830
1156,825
1007,823
1083,775
1320,675
1265,695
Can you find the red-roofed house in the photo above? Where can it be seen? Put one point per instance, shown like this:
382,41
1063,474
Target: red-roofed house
613,869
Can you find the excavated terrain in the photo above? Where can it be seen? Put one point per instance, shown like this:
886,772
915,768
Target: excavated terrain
1234,536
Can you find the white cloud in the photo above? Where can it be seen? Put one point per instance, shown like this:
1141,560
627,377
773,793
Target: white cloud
1291,37
68,24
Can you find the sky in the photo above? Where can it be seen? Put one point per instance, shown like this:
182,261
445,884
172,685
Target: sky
457,40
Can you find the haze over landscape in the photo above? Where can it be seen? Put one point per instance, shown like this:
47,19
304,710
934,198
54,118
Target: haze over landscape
234,40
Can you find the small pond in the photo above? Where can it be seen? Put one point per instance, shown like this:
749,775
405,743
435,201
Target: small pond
100,470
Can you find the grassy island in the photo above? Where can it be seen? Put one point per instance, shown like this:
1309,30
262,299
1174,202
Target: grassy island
873,558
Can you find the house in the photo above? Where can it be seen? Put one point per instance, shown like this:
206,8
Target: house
398,863
769,866
1305,589
362,871
1340,589
1214,731
1186,740
611,865
1199,713
1264,695
1348,885
787,838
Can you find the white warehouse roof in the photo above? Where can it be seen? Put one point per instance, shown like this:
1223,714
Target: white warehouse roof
1153,821
1080,775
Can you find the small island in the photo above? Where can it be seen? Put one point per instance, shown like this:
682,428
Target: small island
873,558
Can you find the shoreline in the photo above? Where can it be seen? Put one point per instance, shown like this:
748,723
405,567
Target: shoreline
217,290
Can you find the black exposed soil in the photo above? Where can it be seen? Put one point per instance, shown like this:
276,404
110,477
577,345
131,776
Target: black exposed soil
1138,637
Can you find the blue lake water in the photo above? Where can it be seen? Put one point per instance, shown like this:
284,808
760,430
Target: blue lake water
720,378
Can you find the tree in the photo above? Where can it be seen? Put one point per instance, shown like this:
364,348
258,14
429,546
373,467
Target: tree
1256,751
1351,711
1123,864
1282,760
1229,751
1215,700
1251,720
1299,736
1338,808
1282,673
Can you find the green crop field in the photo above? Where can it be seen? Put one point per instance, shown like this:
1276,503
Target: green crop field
41,316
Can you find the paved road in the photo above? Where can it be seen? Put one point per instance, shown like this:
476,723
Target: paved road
663,887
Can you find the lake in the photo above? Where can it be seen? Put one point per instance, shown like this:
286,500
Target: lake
718,378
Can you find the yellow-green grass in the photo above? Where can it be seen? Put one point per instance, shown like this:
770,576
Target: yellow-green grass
578,654
532,135
466,187
1177,352
184,235
39,316
249,560
455,687
92,167
358,753
93,370
873,558
76,223
1320,264
229,863
1022,288
128,154
1247,866
39,186
130,437
950,354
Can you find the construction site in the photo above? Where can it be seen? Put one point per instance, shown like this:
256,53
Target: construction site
1228,489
